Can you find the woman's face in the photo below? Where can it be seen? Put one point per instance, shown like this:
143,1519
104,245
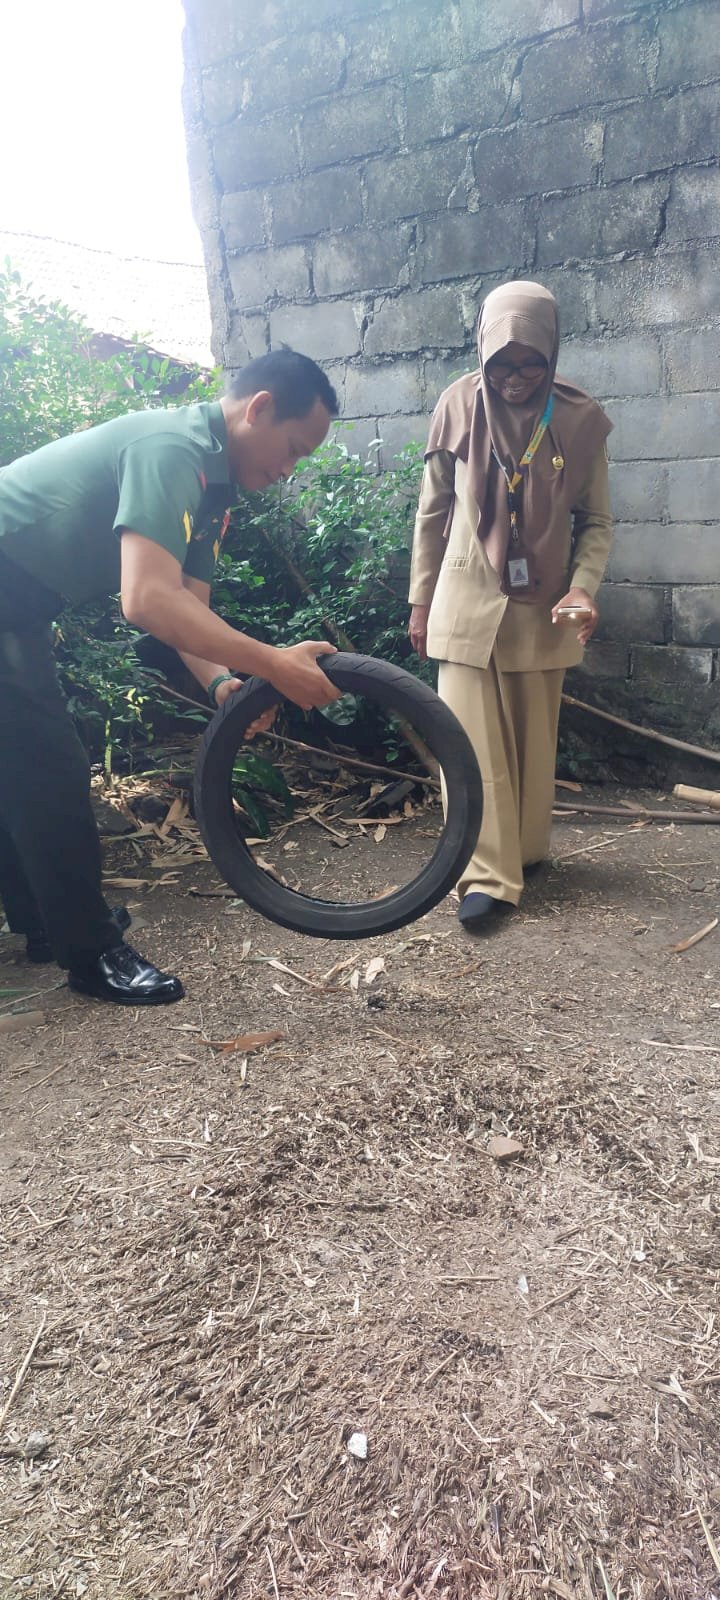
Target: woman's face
516,372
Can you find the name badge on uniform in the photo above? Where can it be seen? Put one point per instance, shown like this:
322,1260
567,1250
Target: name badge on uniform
518,576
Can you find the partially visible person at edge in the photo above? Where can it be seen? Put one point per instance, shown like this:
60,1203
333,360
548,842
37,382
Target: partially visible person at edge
136,505
513,523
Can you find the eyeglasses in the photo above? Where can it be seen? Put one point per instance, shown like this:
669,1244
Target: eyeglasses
501,370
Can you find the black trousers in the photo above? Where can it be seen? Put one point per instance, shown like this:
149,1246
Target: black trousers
50,862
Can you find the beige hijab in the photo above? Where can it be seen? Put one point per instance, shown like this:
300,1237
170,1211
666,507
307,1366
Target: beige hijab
471,419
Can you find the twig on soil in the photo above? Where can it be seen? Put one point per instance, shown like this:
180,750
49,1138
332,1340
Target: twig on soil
256,1290
661,1044
272,1572
687,944
31,1087
557,1300
22,1369
586,848
441,1367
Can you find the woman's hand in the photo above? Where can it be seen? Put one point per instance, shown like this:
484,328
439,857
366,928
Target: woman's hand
417,629
580,600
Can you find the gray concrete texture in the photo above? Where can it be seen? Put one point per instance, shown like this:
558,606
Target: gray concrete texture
365,171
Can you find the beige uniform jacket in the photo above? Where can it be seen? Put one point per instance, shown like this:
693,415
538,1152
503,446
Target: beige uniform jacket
455,578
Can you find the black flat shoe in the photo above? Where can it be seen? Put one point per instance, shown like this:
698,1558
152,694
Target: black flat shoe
127,978
479,912
39,952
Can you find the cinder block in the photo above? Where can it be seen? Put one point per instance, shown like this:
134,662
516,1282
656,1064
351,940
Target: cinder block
693,210
604,661
408,186
585,69
662,132
610,367
537,159
262,275
653,553
426,320
572,288
359,437
632,612
242,217
404,40
459,100
327,332
351,126
638,490
693,359
248,337
397,432
301,15
689,42
218,31
679,287
465,243
381,390
312,205
696,614
290,72
248,152
664,428
221,93
694,491
363,259
441,371
674,668
487,24
601,222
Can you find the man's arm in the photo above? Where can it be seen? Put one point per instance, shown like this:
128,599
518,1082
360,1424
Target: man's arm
155,598
206,671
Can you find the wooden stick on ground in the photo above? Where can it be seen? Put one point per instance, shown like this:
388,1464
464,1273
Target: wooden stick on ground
22,1369
632,813
698,797
297,744
647,733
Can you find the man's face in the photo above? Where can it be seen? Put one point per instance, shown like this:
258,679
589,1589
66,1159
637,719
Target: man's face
263,450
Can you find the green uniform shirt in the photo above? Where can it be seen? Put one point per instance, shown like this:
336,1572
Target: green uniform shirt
163,474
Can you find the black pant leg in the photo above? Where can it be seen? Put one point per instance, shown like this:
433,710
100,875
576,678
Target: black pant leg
18,901
45,801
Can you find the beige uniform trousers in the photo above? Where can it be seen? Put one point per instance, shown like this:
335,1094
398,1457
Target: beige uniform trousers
511,719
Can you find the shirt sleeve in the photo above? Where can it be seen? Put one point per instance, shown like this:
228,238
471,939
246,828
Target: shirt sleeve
592,528
160,493
437,494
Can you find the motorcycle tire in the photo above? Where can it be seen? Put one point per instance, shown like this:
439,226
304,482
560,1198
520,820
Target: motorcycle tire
395,691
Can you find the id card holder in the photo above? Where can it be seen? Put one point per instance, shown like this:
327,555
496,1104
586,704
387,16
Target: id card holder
518,576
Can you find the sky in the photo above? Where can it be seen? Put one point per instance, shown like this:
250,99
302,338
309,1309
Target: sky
91,131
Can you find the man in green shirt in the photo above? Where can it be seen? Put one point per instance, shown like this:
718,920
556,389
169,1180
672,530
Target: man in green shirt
135,506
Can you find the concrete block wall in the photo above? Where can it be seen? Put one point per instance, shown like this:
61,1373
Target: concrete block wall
364,171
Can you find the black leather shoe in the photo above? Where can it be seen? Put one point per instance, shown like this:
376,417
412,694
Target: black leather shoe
39,952
127,978
478,912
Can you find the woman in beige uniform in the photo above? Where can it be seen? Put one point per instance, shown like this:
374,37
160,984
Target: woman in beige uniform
513,526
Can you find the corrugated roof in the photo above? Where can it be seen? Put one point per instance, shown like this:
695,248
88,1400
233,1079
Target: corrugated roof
160,303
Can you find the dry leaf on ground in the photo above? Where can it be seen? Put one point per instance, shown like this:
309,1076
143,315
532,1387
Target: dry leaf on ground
247,1042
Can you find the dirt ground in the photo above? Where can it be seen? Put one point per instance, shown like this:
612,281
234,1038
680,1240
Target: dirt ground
237,1260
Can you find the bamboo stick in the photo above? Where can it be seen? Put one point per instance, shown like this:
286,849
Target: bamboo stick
647,733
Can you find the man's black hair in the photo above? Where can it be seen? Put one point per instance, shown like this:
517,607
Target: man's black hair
294,381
